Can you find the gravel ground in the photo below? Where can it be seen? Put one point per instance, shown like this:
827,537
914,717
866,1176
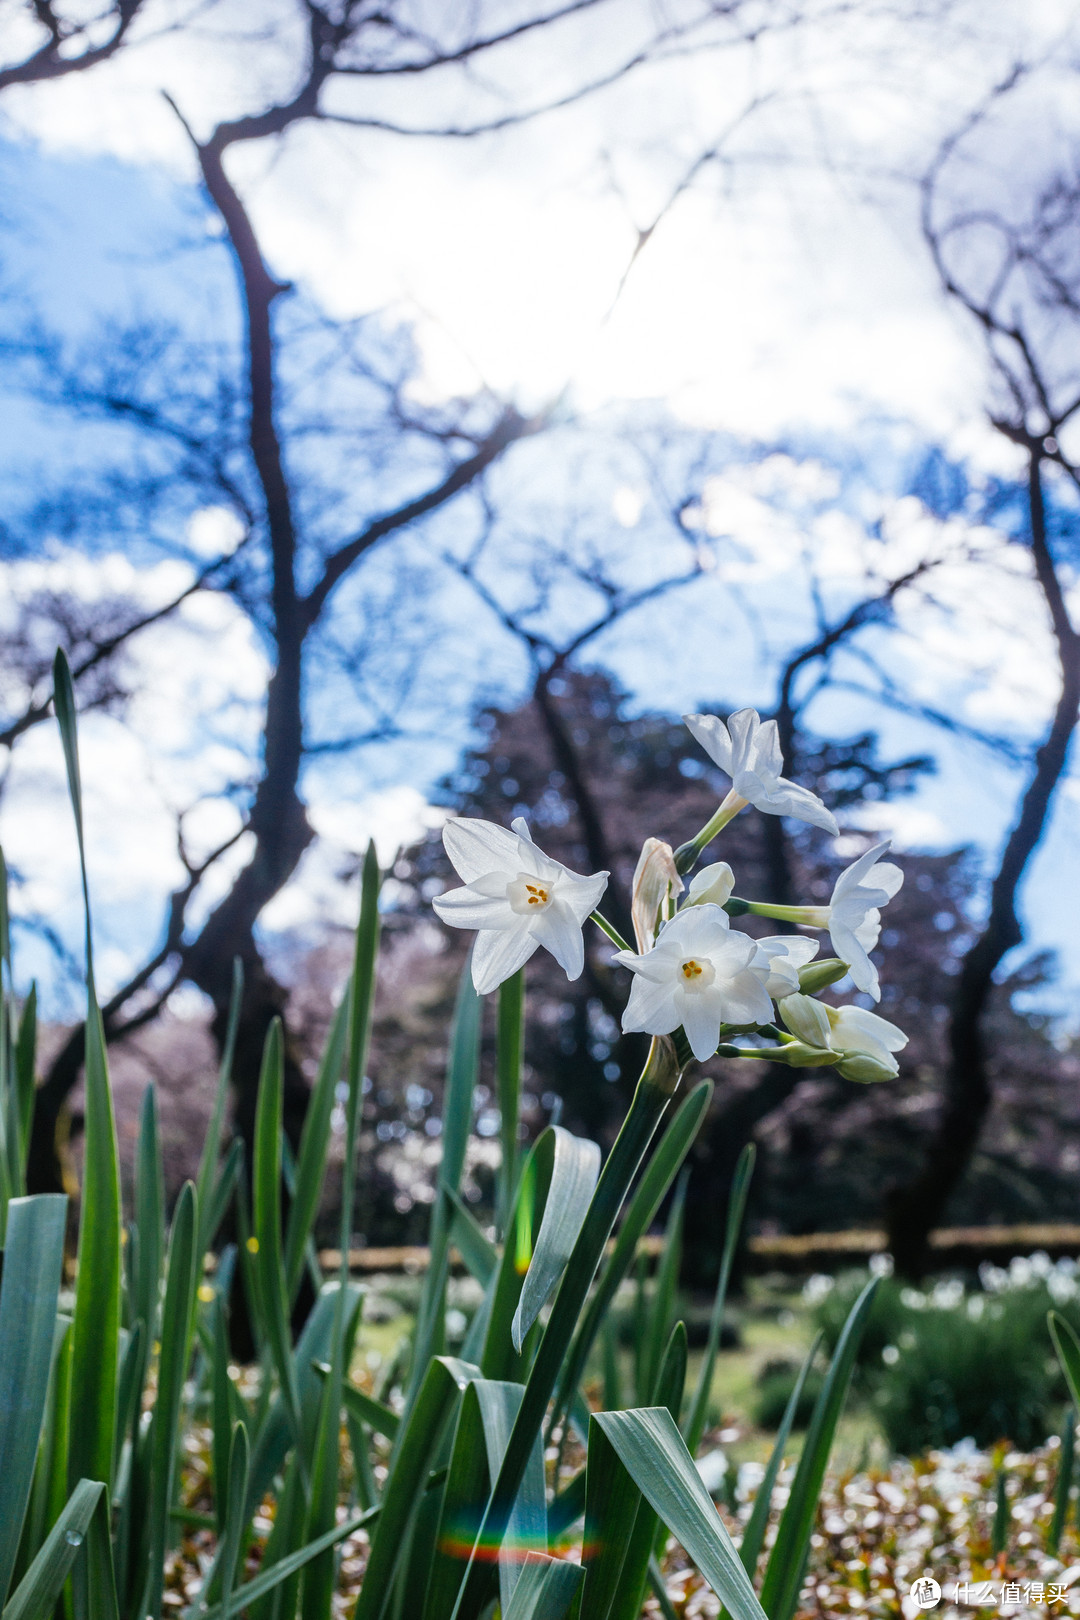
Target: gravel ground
879,1531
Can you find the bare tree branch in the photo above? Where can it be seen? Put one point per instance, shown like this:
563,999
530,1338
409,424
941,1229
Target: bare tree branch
35,713
56,57
508,430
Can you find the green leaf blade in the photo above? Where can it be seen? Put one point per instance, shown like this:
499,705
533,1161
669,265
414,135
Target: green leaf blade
654,1454
176,1327
443,1384
32,1264
509,1061
740,1187
96,1325
314,1145
269,1266
659,1174
545,1591
38,1592
575,1169
783,1577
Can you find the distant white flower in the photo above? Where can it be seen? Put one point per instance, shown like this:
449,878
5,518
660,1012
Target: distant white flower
863,1043
854,922
712,885
853,915
749,752
783,955
655,881
517,898
700,974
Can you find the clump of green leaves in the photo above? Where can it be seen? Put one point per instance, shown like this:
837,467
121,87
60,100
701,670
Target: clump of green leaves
462,1509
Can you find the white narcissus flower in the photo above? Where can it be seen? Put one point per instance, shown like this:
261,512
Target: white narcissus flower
700,974
854,920
517,898
863,1042
783,955
748,751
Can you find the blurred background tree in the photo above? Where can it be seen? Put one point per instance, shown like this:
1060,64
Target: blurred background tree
305,439
364,573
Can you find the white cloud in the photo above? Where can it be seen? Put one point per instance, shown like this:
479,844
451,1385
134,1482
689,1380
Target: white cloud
908,825
780,298
188,731
214,531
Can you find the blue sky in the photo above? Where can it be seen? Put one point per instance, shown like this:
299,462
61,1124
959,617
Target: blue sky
98,227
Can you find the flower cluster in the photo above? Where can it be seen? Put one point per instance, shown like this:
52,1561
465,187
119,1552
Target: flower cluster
692,970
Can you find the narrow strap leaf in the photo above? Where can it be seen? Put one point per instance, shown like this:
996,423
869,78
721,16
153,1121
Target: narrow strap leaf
659,1174
787,1561
383,1419
654,1454
149,1213
694,1427
478,1252
461,1077
25,1055
418,1441
663,1305
485,1417
31,1283
176,1328
204,1181
268,1267
234,1517
754,1535
1064,1482
575,1168
314,1145
38,1592
646,1110
64,704
545,1590
1067,1346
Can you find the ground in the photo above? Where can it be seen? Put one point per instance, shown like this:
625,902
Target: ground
884,1522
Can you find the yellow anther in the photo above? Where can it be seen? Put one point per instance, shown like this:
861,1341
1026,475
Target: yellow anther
692,969
537,895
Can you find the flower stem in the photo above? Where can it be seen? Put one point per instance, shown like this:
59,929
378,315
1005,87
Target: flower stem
509,1060
809,916
686,856
658,1081
611,932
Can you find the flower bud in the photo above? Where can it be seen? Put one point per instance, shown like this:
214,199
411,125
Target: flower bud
819,975
808,1020
654,879
861,1066
798,1055
712,885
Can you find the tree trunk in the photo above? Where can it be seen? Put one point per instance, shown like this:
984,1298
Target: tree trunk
913,1211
